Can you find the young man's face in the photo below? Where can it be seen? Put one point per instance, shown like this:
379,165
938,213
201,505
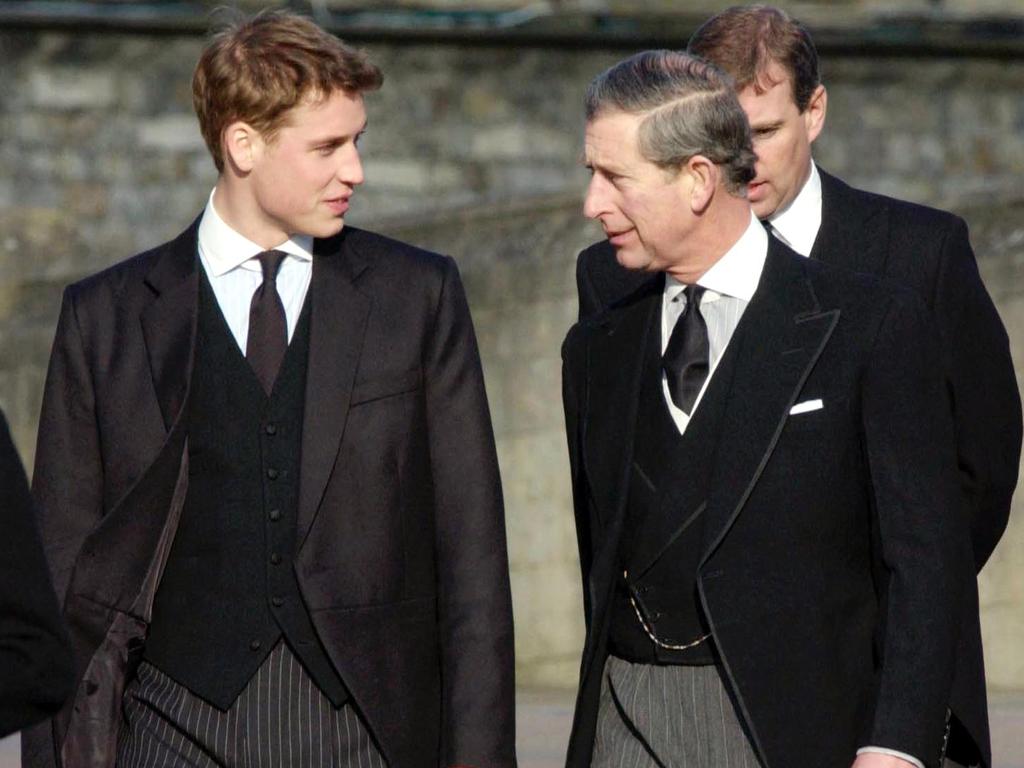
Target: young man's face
782,137
303,178
640,205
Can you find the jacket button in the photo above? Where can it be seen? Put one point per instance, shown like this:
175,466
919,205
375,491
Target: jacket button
270,429
275,515
275,558
255,645
277,602
272,473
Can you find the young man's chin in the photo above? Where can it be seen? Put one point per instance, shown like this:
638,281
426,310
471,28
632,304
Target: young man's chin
328,228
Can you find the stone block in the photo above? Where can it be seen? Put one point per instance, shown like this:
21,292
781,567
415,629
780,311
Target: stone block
83,199
68,88
521,140
170,133
411,175
535,478
548,606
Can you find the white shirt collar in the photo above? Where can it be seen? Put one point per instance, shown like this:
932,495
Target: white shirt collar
225,249
798,224
737,273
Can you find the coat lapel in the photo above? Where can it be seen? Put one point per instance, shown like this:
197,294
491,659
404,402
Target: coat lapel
338,327
854,230
782,334
614,364
169,322
614,367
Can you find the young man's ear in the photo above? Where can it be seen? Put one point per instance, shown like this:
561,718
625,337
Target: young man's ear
703,176
242,145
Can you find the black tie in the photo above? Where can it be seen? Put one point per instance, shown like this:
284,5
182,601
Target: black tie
268,328
686,357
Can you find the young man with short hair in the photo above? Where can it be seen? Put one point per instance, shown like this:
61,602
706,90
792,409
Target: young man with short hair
266,472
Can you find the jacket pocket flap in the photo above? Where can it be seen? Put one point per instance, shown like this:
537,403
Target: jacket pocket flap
386,386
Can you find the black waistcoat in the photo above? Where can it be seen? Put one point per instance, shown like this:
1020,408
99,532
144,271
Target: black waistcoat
229,591
661,543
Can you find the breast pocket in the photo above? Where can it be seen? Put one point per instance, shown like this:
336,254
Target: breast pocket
380,387
815,414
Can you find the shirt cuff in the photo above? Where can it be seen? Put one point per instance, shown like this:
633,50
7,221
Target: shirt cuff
894,753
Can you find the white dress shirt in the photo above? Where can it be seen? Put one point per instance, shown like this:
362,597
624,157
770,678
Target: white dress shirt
797,225
230,264
729,284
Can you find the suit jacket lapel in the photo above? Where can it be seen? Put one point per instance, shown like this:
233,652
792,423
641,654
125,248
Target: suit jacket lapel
169,322
854,230
614,367
782,334
338,327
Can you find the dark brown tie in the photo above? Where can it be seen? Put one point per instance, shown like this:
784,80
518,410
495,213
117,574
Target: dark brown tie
268,328
686,357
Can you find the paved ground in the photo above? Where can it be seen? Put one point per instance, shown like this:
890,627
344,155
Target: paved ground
545,717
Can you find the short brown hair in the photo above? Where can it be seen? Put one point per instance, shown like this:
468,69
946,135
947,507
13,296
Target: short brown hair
746,40
256,69
688,106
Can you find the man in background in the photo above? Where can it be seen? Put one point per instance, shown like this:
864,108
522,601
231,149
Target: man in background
266,472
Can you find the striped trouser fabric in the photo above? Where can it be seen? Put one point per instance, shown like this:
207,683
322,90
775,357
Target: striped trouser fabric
280,720
667,717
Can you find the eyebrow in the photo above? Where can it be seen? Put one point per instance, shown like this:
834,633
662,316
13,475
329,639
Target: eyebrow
595,165
326,140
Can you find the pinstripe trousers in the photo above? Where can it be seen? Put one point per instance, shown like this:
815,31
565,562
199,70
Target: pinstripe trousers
667,717
670,716
280,720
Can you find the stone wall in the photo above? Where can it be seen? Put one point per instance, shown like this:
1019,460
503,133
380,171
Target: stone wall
472,150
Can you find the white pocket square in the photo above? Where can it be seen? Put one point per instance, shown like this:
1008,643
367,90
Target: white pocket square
806,406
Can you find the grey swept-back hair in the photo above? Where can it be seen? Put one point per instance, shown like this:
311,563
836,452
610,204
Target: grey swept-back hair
689,108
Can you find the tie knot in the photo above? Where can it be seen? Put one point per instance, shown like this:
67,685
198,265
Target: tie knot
270,263
693,294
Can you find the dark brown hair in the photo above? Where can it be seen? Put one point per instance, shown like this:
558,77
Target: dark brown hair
746,40
258,68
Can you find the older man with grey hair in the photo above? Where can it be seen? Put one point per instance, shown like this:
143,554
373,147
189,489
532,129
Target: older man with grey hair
757,442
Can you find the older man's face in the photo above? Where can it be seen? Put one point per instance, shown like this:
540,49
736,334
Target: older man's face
640,205
782,137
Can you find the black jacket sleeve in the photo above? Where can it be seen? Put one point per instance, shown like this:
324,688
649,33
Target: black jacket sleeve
35,660
986,401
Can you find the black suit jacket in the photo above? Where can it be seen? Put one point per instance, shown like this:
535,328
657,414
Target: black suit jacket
35,658
928,251
401,557
835,555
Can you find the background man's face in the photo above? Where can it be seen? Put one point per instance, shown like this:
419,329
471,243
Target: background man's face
302,180
640,205
782,140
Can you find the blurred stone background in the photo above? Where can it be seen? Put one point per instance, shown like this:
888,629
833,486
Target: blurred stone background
473,150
